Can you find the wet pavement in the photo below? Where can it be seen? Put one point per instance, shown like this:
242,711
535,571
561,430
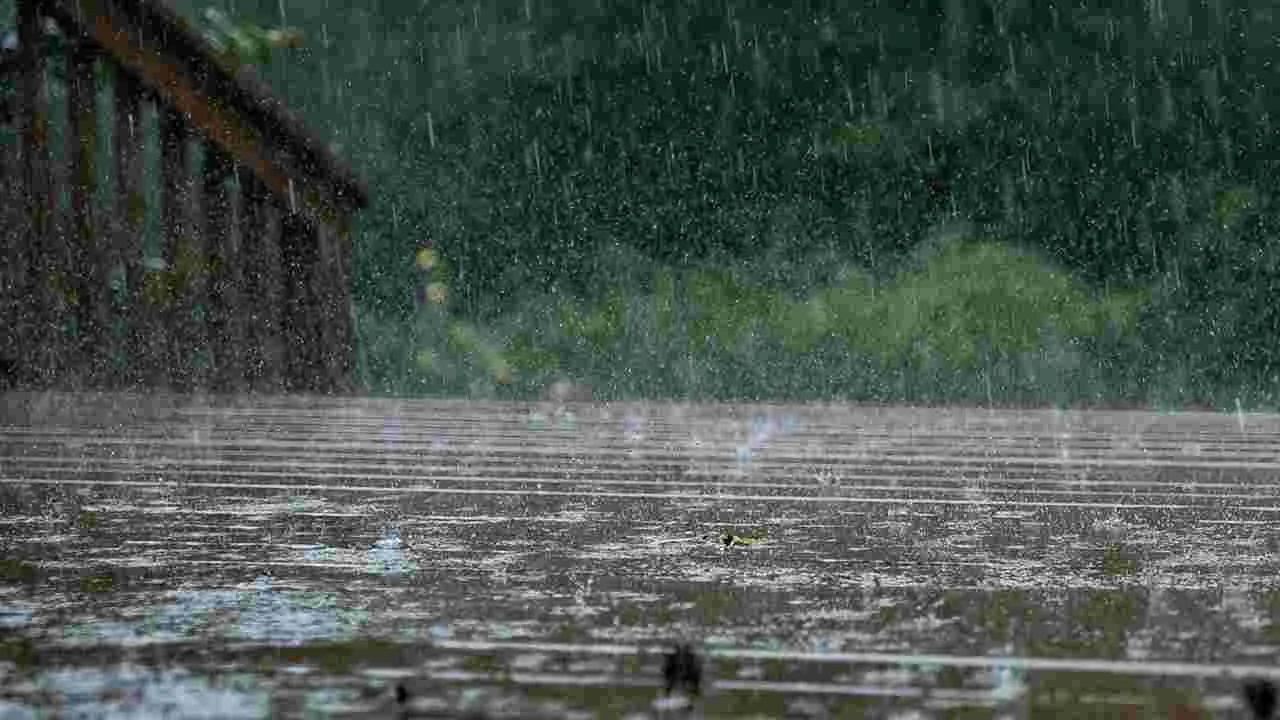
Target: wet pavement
299,557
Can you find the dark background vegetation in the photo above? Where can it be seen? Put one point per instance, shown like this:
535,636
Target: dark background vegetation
921,201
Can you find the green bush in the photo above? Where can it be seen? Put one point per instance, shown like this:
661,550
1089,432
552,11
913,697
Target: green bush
975,320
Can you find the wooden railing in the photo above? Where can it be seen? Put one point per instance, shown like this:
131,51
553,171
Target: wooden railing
226,269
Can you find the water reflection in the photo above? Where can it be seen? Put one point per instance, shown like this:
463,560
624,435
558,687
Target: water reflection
137,692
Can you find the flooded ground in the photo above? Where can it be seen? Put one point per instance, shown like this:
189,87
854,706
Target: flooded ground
304,557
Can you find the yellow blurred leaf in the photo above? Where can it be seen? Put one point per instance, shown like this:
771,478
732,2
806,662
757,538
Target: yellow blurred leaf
426,259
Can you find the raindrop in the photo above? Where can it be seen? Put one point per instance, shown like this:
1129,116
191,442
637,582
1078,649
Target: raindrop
1212,93
1156,14
1168,114
1013,68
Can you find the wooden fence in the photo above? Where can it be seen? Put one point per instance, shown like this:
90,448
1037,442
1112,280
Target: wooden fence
225,269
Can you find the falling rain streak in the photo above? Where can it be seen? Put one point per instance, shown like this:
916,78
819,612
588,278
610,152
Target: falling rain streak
600,228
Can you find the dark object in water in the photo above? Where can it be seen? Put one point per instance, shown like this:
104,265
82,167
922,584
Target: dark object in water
683,667
1260,695
402,695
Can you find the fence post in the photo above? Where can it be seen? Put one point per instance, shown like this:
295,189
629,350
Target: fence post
170,338
127,251
39,351
83,263
226,321
300,317
333,282
263,282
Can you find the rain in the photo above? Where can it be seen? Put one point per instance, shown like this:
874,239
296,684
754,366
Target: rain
675,358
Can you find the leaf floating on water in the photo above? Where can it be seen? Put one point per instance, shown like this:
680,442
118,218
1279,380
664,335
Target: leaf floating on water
87,520
730,540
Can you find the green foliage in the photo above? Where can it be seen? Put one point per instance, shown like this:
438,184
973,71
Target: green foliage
856,135
599,326
972,312
722,310
1031,124
973,296
1119,148
664,301
240,42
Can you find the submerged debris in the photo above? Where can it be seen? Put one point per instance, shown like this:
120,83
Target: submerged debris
683,667
1260,695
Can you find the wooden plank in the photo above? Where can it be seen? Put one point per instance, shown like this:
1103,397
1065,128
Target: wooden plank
168,285
127,249
344,321
301,313
333,286
83,264
14,274
225,328
327,297
263,283
251,227
274,348
40,353
170,59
